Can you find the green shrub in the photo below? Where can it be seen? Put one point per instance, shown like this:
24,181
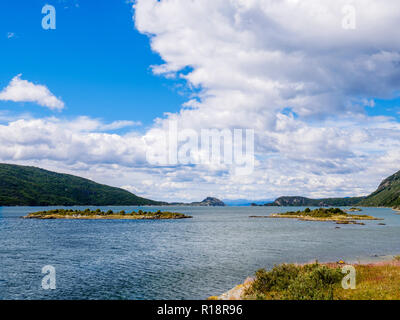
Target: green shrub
292,282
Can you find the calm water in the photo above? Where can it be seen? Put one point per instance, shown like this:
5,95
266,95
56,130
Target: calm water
172,259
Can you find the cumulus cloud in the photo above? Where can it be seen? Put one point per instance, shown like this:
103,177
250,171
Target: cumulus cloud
290,71
81,140
260,56
286,69
19,90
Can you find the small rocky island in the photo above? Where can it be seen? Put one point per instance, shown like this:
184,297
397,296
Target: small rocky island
354,210
98,214
322,214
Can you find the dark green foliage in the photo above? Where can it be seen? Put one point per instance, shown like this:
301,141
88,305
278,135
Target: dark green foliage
387,194
302,202
293,282
30,186
317,213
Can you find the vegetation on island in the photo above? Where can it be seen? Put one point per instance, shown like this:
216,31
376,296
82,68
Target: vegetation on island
30,186
374,281
98,214
354,210
323,214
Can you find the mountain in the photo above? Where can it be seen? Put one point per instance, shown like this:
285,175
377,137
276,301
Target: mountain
387,194
31,186
245,202
302,202
209,202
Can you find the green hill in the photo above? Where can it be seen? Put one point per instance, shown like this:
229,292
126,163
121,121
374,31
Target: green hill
303,202
30,186
387,194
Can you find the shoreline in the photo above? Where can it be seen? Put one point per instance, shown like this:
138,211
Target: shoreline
237,292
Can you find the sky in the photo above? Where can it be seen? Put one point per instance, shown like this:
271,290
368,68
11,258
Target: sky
316,81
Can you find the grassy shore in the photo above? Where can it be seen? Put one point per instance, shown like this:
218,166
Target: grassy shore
322,214
314,281
98,214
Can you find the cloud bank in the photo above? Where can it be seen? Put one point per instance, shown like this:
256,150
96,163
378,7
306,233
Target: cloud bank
287,69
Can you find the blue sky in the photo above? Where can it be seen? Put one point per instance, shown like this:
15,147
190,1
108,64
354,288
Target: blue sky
95,60
323,101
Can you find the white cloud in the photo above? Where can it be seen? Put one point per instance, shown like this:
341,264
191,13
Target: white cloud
286,69
252,60
81,140
258,57
20,90
121,124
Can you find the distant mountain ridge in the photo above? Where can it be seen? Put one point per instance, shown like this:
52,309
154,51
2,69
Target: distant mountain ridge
387,194
303,201
31,186
245,202
207,202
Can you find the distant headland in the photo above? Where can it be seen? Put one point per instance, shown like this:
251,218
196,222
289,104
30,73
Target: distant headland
31,186
207,202
387,195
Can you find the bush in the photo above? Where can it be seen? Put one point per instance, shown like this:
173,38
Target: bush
292,282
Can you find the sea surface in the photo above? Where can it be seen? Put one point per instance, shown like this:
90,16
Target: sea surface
172,259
